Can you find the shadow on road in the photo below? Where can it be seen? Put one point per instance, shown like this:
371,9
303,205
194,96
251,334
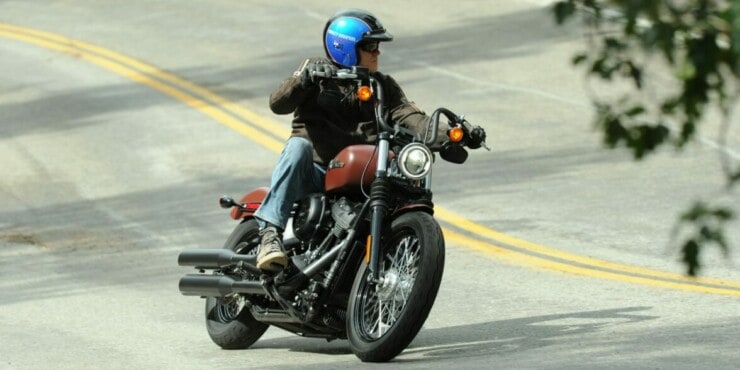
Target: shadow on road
517,335
490,338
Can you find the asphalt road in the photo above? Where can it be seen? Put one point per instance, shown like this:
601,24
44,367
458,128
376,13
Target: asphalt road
121,123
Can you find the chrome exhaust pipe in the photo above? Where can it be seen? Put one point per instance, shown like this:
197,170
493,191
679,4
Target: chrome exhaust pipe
217,286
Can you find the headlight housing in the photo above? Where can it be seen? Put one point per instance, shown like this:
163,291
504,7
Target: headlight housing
415,161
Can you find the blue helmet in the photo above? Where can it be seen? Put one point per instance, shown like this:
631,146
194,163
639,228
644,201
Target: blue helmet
348,28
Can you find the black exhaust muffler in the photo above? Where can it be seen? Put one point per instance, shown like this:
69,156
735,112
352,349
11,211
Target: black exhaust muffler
213,258
217,286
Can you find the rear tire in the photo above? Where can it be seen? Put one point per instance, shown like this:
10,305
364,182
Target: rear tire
229,322
383,319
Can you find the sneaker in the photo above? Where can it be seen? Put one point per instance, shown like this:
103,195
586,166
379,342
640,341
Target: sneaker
270,256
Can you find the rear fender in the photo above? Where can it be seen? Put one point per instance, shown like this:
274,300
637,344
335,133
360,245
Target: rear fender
250,203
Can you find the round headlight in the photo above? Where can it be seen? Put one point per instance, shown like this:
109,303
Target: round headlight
415,161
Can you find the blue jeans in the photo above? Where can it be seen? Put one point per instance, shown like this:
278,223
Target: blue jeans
294,176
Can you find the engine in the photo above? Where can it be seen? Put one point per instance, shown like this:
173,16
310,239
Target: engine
311,219
343,212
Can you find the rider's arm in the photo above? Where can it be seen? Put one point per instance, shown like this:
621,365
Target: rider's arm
290,94
407,114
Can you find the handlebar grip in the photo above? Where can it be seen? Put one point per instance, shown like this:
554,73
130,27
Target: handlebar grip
320,74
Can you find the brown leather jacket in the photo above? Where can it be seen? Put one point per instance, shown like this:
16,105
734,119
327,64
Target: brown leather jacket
331,117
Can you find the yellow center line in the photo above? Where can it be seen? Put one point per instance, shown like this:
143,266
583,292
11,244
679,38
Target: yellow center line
253,126
544,263
148,75
535,249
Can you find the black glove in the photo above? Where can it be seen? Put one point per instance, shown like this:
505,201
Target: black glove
308,79
477,137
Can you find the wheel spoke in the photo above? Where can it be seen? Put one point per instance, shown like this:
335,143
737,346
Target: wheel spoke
380,325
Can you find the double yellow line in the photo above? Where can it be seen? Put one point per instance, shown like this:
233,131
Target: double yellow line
272,136
212,105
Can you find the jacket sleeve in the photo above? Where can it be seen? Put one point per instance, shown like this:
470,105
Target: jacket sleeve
290,94
408,115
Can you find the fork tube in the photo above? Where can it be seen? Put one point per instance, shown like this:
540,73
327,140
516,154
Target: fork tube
379,204
428,180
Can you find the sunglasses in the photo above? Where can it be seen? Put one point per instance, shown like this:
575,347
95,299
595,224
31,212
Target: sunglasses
369,47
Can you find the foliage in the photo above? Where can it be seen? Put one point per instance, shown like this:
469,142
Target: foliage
698,41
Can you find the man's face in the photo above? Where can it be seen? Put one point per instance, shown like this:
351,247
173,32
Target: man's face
369,53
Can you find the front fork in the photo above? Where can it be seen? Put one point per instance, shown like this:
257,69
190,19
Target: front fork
379,207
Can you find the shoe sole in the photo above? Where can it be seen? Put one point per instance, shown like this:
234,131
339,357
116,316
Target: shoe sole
273,262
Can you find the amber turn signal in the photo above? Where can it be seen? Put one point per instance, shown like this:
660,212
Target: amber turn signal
456,134
368,248
364,93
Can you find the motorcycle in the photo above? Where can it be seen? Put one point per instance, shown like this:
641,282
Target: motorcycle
366,256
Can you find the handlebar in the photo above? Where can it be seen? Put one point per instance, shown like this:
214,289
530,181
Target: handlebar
475,133
356,73
452,121
362,75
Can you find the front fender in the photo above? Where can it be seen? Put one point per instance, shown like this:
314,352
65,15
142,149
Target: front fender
427,207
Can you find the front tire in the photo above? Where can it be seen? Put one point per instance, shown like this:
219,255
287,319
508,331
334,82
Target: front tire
384,318
229,322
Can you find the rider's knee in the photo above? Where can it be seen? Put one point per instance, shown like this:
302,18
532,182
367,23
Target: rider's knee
299,147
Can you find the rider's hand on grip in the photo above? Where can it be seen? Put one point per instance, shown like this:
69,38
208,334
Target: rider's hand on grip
477,137
316,70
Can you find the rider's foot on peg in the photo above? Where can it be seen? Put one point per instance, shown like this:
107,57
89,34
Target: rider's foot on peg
270,256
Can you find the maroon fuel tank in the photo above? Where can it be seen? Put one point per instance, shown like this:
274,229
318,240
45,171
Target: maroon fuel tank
350,168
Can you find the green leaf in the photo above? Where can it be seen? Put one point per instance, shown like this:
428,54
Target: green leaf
636,110
614,43
723,214
687,132
579,58
696,211
564,10
669,106
636,73
700,41
734,178
614,130
690,252
686,71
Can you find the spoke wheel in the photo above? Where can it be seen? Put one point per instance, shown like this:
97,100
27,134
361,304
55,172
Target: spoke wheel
384,317
228,308
383,303
229,322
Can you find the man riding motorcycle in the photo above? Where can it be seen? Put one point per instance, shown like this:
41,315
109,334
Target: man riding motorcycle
327,117
353,191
